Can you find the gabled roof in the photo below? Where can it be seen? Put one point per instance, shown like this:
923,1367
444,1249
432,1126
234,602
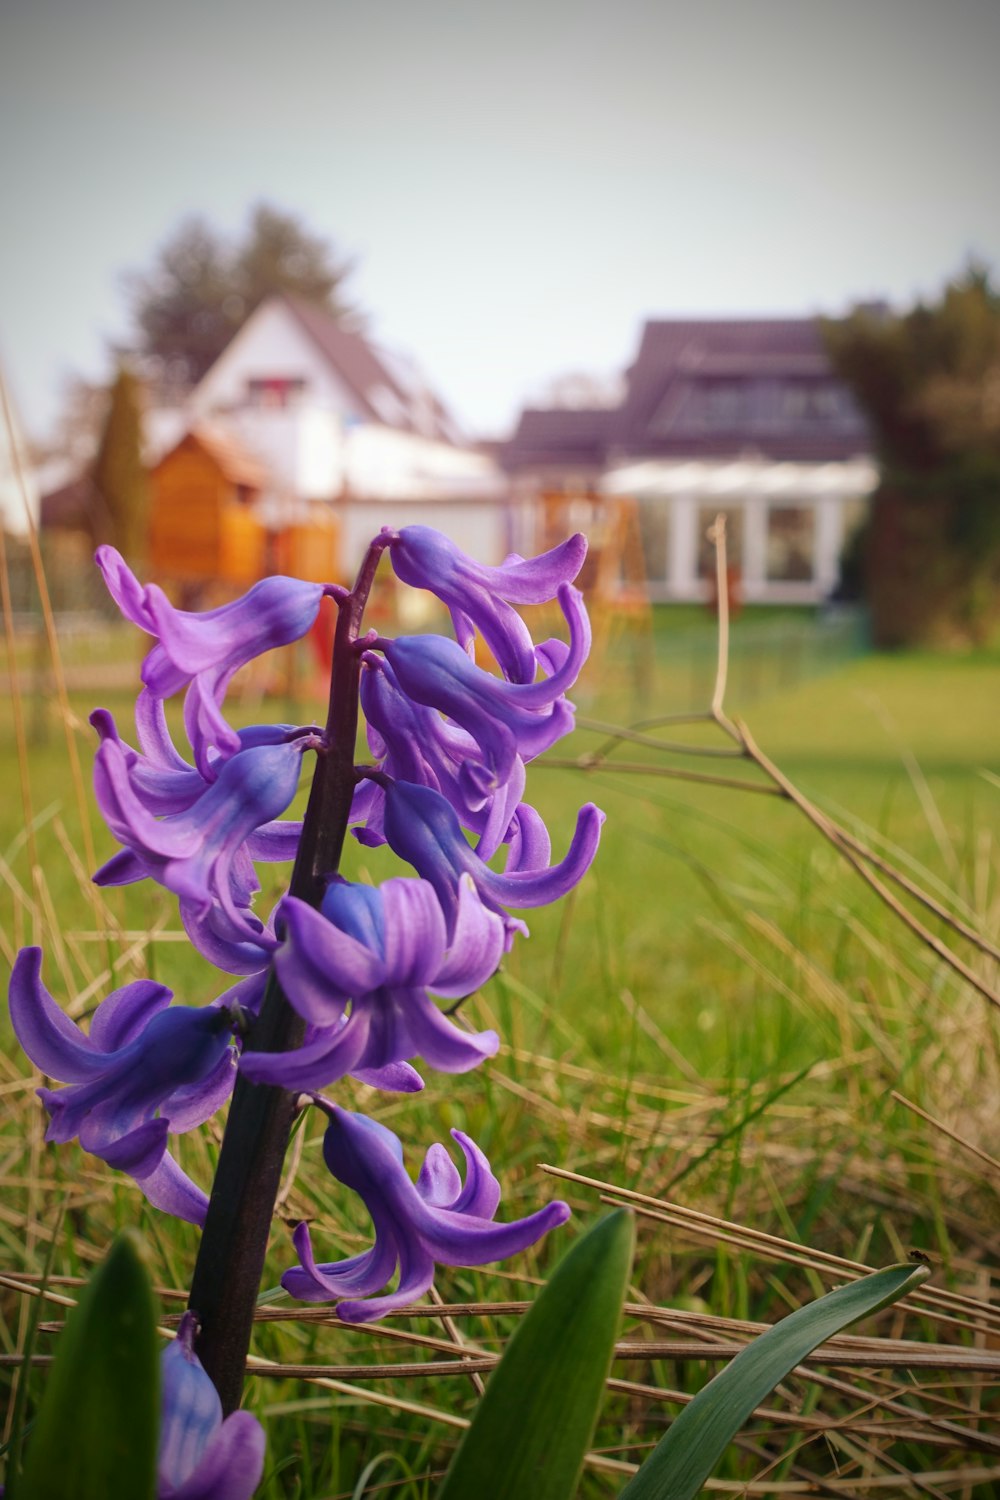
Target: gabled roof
235,462
388,388
719,387
560,438
708,388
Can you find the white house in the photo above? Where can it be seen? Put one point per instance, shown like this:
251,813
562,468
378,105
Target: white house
337,420
743,416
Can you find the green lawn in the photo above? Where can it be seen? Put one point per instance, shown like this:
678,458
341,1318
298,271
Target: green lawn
718,1017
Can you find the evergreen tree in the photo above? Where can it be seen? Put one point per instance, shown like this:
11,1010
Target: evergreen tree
118,473
929,381
201,289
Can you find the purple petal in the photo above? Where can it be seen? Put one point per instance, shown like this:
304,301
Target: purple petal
190,1409
457,1239
476,948
394,1078
319,966
123,868
231,1465
331,1055
195,1103
476,594
243,949
138,1153
121,1017
171,1190
481,1193
275,841
51,1040
415,934
359,1274
439,1182
530,845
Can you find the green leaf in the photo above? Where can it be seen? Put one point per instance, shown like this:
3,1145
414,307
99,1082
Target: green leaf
97,1430
535,1421
696,1440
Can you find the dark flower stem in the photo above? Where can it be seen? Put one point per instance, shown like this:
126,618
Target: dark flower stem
234,1242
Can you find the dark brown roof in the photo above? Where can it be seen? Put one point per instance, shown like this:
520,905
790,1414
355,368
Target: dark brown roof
411,405
708,388
559,437
721,387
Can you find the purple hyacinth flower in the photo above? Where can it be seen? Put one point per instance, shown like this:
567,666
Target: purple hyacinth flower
480,597
436,1220
235,948
506,719
412,742
379,951
166,782
203,651
203,853
146,1069
423,829
202,1456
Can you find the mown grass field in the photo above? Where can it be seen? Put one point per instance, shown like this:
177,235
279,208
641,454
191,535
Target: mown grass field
718,1019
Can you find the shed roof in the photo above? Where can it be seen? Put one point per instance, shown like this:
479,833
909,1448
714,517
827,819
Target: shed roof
234,461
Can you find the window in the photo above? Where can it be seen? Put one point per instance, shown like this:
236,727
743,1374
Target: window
654,535
725,403
791,540
275,391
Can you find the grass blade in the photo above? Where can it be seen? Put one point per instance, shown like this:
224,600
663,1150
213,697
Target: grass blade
682,1461
535,1422
96,1432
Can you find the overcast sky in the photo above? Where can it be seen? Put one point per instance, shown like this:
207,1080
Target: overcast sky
520,184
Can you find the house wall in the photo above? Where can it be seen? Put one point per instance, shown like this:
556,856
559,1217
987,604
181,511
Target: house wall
813,504
270,345
302,447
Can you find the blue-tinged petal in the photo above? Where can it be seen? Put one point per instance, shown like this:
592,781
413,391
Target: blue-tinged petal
202,1457
319,966
120,1018
123,868
530,845
415,1225
538,887
439,1182
231,1464
423,829
194,1103
476,947
138,1153
394,1078
481,1193
477,595
360,1274
171,1190
51,1040
333,1053
415,933
190,1407
236,949
356,910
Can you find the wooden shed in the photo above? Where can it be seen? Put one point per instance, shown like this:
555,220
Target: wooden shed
203,525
